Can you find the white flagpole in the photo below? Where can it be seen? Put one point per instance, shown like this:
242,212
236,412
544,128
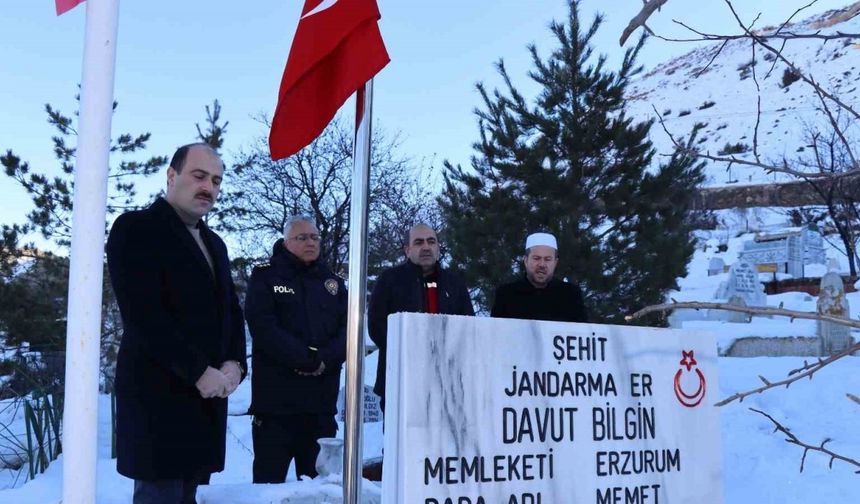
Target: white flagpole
353,460
83,333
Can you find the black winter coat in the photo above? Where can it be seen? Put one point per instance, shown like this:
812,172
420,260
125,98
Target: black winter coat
401,289
177,320
291,307
559,301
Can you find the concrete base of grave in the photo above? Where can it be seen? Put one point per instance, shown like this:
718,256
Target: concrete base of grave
775,347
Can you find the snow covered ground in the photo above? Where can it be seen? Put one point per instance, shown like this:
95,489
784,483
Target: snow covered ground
759,466
228,487
736,229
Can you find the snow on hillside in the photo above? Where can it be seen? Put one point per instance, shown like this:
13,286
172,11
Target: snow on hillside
724,96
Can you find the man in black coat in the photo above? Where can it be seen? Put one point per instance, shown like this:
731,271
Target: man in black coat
183,346
419,285
539,296
296,310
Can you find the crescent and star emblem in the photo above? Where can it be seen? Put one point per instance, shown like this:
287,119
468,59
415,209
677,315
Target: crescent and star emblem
331,286
689,400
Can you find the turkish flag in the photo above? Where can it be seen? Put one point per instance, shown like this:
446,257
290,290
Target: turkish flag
336,50
64,6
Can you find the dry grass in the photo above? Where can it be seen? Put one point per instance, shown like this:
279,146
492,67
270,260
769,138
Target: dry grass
838,17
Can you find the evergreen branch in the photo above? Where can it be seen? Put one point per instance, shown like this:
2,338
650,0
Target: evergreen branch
821,448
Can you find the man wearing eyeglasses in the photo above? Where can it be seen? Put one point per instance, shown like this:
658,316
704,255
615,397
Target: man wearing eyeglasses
296,310
420,285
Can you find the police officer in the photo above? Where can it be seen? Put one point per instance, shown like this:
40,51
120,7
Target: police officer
296,310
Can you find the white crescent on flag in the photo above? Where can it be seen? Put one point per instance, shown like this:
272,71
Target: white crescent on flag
325,4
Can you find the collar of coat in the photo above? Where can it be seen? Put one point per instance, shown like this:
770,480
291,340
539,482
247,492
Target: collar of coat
523,285
163,208
411,266
283,258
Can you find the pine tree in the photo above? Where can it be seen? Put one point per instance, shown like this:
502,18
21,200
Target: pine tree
573,164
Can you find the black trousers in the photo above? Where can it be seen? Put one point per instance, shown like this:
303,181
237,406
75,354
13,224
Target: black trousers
173,491
279,439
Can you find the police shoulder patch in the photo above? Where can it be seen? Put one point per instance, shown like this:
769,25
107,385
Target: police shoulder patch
331,286
262,265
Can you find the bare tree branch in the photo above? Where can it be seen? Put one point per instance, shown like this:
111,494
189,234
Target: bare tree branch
806,371
641,18
713,58
732,160
791,438
763,43
751,310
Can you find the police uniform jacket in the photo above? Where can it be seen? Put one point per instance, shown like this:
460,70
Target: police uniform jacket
178,317
297,317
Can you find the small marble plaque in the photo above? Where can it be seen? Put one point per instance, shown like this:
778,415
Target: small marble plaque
372,407
502,411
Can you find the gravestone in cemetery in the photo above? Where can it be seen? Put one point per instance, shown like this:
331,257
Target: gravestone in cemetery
372,408
716,266
832,301
734,316
482,410
743,282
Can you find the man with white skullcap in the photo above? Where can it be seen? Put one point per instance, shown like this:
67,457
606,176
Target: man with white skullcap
538,296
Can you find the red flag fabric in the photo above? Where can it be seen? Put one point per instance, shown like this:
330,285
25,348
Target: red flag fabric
336,50
64,6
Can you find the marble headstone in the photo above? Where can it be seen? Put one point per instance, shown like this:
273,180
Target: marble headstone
737,317
716,266
832,301
482,410
743,282
372,408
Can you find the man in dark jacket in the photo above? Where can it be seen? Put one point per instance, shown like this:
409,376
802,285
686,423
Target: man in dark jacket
296,310
538,296
418,285
183,344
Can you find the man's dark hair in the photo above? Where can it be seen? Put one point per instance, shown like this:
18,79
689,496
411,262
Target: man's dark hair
178,160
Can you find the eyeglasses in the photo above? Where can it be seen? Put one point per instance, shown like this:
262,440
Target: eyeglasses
305,237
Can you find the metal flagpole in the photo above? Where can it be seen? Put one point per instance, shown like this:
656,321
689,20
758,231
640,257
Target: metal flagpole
83,332
353,463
